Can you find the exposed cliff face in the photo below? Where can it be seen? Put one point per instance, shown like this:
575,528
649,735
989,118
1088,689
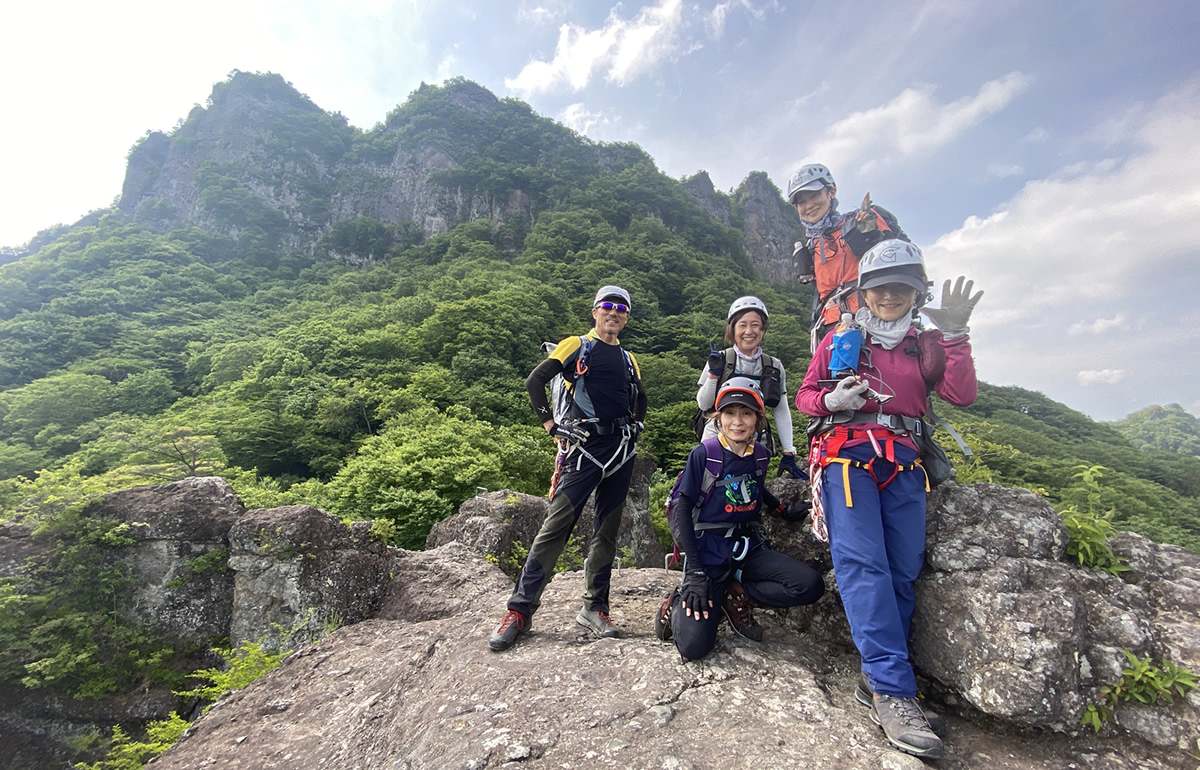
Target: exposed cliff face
259,140
769,226
265,166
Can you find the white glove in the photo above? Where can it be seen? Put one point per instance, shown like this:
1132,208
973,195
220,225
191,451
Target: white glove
846,396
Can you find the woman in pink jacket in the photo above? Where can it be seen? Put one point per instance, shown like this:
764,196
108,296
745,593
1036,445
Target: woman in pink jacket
869,485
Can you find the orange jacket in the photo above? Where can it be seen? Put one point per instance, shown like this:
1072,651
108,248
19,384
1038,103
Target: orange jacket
832,260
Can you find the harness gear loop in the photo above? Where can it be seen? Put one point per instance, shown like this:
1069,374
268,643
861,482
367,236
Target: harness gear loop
741,547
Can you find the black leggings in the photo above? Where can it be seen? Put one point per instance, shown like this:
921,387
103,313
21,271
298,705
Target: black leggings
770,578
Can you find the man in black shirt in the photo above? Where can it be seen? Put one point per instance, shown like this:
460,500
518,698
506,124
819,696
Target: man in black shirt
597,439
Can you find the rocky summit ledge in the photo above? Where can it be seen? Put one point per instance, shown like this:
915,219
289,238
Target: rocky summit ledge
430,694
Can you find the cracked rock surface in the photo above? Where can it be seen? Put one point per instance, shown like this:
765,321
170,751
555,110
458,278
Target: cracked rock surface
428,693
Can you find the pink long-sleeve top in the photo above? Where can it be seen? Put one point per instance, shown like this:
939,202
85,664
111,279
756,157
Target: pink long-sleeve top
896,371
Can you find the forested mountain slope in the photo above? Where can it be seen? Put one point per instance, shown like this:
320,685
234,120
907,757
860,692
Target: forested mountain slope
343,317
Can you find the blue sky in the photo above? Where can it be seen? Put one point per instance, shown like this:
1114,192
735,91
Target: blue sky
1050,151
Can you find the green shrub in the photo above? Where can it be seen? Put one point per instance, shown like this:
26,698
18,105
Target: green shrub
1091,529
1143,682
128,754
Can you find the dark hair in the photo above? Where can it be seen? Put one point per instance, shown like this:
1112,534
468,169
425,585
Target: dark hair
729,339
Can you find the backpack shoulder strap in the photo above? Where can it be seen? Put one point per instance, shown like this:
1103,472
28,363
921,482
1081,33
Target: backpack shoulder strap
712,468
761,459
730,367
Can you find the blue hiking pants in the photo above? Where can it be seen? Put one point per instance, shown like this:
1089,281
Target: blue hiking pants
878,547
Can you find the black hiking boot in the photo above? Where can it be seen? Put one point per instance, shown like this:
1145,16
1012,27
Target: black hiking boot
905,726
512,625
662,620
736,607
863,694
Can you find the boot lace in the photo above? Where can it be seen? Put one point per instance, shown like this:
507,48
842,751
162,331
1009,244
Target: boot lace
511,617
909,712
739,607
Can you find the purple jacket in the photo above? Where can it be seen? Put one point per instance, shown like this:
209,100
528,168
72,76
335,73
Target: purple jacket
894,371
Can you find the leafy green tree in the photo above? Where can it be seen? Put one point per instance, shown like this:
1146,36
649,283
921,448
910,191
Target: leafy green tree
426,463
1167,428
66,400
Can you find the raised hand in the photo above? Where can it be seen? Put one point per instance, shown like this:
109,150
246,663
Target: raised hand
957,305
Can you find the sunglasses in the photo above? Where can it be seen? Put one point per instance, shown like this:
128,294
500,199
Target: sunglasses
613,306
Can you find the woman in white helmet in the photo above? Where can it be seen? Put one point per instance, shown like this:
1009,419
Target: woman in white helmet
833,243
746,323
869,484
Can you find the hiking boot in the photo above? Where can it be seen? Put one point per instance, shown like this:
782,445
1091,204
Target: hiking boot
512,625
905,726
863,694
597,622
736,607
662,620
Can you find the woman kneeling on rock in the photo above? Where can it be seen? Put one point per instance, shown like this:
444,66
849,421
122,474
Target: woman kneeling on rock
867,390
716,522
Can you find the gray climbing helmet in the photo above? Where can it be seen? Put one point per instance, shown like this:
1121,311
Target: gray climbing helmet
814,176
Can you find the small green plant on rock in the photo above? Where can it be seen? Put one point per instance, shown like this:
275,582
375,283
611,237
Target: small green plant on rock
1143,682
1091,529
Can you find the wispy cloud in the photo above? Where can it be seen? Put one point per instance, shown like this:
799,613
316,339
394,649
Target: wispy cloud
714,20
1002,170
1099,326
542,13
579,118
622,50
911,124
1090,377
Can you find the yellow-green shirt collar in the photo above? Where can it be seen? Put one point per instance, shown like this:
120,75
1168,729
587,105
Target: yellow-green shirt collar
749,446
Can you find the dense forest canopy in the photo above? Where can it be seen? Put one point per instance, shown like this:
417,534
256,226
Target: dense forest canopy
349,361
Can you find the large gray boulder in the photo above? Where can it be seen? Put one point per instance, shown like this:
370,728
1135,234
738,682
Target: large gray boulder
183,586
492,523
300,571
422,690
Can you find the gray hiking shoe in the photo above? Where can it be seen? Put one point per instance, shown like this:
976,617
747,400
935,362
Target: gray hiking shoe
863,694
512,625
905,726
597,622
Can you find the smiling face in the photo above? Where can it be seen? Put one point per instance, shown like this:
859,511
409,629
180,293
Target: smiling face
812,205
738,423
747,332
609,322
891,301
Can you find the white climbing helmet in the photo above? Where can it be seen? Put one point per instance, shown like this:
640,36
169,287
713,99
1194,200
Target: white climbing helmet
814,176
894,261
742,304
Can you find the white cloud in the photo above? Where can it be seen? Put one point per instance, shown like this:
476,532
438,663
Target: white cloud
715,19
543,13
1038,135
912,124
1090,274
1090,377
579,118
1003,170
623,49
1099,326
